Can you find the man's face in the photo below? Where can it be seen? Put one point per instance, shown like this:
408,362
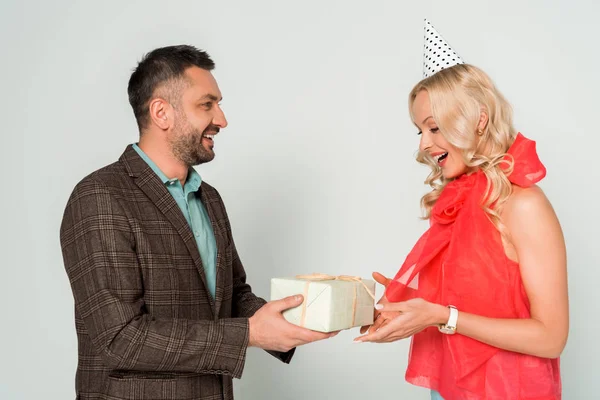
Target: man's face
198,118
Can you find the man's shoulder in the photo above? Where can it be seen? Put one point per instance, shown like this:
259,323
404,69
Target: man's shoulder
112,176
114,179
97,193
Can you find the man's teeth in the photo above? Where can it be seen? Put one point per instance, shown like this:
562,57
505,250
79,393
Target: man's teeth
437,158
209,136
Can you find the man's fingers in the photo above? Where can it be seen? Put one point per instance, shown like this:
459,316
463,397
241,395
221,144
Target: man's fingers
312,336
287,303
382,280
303,335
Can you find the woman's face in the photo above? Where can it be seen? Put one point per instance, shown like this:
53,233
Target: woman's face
432,142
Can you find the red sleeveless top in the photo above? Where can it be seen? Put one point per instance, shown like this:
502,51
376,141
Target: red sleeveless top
460,260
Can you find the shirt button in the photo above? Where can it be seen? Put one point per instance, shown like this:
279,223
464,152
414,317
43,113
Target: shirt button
197,233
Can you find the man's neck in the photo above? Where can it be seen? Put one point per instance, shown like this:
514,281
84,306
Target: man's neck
158,151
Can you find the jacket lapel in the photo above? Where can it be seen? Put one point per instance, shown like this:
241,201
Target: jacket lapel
156,191
221,241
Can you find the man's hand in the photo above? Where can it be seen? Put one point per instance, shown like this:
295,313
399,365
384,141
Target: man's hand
270,331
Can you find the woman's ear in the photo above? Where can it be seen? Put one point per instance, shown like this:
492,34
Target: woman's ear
483,121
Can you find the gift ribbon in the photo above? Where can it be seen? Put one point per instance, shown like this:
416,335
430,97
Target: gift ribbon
324,277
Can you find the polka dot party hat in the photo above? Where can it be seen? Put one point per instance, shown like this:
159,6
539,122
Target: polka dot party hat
437,53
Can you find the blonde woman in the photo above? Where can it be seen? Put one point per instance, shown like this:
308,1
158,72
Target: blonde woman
484,291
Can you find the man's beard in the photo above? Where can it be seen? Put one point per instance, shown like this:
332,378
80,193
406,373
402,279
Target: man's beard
186,145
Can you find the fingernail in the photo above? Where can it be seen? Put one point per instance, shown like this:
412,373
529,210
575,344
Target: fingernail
357,341
378,306
296,298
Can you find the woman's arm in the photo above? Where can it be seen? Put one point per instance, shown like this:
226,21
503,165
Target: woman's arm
537,238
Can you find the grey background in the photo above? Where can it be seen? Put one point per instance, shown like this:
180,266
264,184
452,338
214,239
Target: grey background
316,167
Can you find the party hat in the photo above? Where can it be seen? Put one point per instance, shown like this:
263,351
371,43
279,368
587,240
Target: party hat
437,53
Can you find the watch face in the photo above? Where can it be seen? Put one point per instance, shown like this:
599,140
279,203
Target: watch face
447,330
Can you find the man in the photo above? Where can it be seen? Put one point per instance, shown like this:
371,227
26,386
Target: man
162,308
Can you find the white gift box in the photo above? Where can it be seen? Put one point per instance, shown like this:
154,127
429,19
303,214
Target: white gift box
331,303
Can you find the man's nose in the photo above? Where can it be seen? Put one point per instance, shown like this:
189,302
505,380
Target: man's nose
219,118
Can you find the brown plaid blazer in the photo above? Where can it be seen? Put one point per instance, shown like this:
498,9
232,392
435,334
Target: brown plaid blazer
147,327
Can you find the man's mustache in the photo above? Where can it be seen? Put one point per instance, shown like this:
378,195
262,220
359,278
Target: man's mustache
211,129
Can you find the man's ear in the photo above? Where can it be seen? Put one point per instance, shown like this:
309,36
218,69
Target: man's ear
161,113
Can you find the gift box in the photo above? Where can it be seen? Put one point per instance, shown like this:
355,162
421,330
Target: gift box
331,303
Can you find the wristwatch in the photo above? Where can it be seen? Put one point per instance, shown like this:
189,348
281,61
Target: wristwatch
450,327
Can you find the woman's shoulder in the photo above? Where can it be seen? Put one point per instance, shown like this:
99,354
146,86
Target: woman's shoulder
526,215
527,207
524,200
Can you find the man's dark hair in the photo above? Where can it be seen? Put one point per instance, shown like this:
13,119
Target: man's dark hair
158,67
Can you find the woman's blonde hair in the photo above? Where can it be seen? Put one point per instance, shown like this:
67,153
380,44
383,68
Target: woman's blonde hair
458,96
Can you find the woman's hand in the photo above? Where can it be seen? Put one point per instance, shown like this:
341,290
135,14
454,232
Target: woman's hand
378,319
408,317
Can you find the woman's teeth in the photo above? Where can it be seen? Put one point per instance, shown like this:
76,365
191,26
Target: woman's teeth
440,157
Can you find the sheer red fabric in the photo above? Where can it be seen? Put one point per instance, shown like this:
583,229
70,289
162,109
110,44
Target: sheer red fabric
460,260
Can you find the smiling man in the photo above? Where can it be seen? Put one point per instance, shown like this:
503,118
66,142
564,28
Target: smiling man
162,307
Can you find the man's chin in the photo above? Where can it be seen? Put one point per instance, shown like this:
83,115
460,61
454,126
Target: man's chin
205,157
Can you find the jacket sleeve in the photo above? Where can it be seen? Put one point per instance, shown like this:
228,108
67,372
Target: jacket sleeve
101,262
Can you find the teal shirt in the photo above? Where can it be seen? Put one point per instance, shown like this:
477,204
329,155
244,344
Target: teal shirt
195,214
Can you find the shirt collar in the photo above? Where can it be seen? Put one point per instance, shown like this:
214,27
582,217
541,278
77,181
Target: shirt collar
193,181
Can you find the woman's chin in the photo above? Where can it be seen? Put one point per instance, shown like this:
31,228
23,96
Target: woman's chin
454,173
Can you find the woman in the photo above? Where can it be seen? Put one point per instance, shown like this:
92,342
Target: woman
492,266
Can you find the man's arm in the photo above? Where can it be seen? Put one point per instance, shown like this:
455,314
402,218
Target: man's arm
101,262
